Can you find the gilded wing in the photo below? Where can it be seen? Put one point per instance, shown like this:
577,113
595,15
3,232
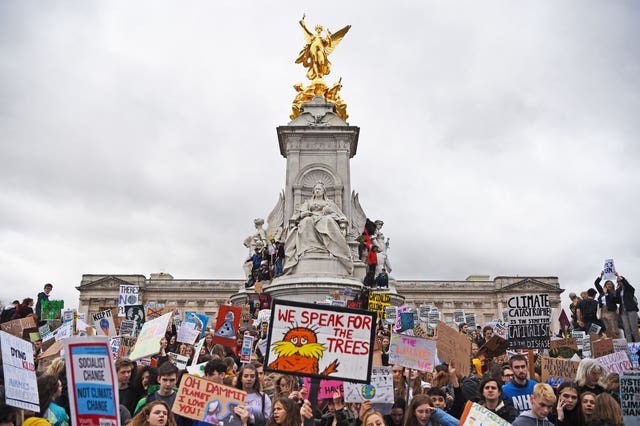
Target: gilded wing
308,35
336,38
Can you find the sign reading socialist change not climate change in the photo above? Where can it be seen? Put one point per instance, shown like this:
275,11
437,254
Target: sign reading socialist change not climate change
328,342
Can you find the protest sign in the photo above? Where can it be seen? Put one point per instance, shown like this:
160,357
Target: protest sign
114,344
458,316
201,320
595,329
379,390
155,310
178,360
412,352
423,312
616,362
46,358
477,415
126,345
558,370
609,271
601,347
630,397
378,302
92,382
579,336
196,369
128,328
247,347
21,388
453,346
634,353
317,341
135,313
264,315
620,345
390,314
204,400
16,327
529,319
64,331
226,329
103,321
494,347
501,328
470,319
326,388
148,342
187,333
45,332
434,317
406,321
129,295
563,348
51,310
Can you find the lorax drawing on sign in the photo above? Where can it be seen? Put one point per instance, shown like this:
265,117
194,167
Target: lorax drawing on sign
300,351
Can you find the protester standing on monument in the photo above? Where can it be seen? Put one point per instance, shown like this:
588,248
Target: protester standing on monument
572,307
542,401
587,310
42,296
628,309
609,301
519,390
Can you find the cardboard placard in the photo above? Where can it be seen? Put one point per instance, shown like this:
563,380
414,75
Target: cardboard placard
453,346
226,330
21,388
129,295
558,370
476,414
494,347
51,310
378,302
16,327
412,352
317,341
148,342
92,382
601,347
326,388
616,362
204,400
630,397
529,321
380,390
104,323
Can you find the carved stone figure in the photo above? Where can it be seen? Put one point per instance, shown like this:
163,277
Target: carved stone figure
257,240
382,246
317,225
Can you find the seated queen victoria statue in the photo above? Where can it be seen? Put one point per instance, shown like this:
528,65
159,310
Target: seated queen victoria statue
317,226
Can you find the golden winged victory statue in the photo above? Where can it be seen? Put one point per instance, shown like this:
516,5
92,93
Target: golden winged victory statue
314,56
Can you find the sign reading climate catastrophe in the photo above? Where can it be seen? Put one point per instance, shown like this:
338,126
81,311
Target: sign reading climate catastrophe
529,318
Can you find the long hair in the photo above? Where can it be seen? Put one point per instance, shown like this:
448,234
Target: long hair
573,417
142,418
256,384
47,388
607,409
277,388
586,366
410,414
292,409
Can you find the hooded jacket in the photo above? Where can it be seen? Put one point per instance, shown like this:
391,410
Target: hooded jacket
528,419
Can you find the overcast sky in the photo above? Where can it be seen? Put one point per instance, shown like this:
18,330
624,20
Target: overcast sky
496,138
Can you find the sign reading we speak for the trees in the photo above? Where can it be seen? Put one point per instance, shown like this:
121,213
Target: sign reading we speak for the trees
320,341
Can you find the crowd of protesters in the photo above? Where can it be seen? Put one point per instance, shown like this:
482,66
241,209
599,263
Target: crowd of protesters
511,388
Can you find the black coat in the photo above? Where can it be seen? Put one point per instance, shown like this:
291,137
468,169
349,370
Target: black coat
627,299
